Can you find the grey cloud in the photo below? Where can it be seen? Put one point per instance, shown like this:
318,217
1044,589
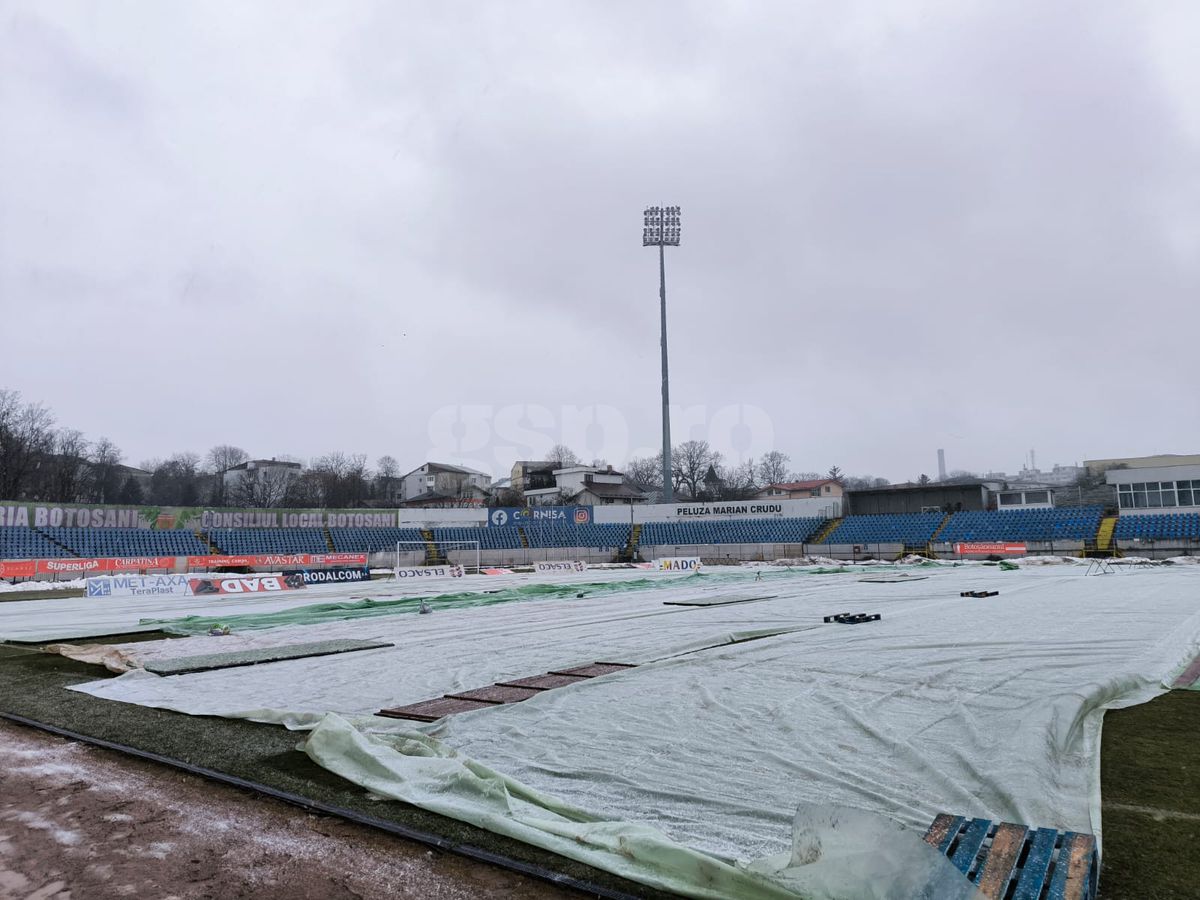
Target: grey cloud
904,228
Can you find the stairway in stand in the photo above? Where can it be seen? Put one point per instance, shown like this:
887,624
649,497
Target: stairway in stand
826,530
208,542
629,554
329,540
433,555
71,550
945,522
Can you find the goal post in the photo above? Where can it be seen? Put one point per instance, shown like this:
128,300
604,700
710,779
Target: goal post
423,547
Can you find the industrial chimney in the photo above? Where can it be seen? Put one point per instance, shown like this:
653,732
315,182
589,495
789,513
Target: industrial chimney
941,465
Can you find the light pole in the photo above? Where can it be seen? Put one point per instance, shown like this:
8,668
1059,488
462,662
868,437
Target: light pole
662,230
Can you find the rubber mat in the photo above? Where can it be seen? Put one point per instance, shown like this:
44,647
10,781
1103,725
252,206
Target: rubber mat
187,664
719,601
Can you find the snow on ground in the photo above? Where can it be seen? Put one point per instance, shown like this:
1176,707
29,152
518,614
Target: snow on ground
77,584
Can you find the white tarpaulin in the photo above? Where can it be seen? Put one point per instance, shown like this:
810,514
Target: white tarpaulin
989,707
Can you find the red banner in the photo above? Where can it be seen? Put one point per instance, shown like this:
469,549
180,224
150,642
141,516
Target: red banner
245,584
27,568
119,564
280,560
987,547
21,568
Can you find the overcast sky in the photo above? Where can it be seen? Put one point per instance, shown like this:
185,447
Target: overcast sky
414,228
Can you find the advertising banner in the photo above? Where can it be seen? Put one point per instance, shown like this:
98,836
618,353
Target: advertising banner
82,515
340,575
68,515
536,516
968,547
277,560
138,586
296,518
20,568
244,584
417,574
561,567
677,564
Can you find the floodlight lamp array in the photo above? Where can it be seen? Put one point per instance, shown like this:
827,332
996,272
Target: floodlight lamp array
661,226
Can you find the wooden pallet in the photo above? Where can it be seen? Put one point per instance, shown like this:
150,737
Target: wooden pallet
501,693
1029,862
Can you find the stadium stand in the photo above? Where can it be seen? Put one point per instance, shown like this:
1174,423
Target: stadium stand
599,536
489,538
731,531
910,529
18,542
1155,527
1079,524
108,542
269,540
371,540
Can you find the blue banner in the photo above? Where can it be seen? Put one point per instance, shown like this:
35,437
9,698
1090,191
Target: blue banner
539,516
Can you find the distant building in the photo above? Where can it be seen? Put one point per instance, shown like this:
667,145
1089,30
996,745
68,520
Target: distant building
1100,466
1025,496
918,498
533,474
438,484
261,469
586,486
827,488
1156,489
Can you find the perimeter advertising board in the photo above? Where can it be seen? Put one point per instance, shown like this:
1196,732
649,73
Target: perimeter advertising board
561,567
677,564
138,586
537,516
966,548
276,560
244,584
425,572
341,575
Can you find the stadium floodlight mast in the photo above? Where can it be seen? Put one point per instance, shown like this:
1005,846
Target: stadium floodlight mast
662,230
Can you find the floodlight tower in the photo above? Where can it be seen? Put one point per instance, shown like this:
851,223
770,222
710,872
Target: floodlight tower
662,230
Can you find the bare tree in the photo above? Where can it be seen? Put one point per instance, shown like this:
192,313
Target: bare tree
219,460
105,478
773,468
65,470
263,488
387,471
343,479
175,481
863,482
223,457
738,482
131,493
562,456
26,434
690,462
645,472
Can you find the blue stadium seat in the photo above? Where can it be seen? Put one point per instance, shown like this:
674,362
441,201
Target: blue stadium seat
910,529
731,531
1158,527
1067,524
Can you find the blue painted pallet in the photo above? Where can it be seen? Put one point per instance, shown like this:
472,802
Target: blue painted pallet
1032,863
